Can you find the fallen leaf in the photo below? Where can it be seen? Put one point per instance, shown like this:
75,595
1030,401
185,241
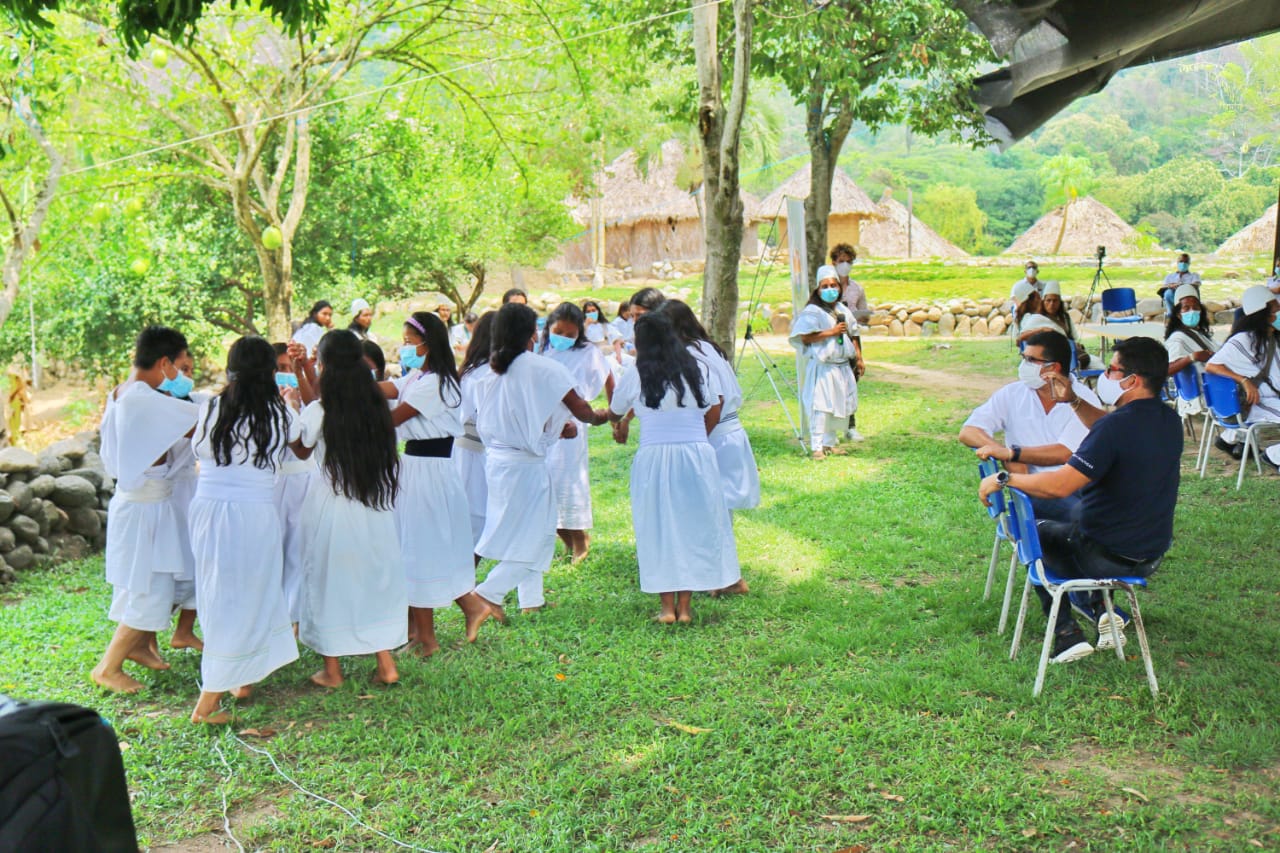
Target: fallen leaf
687,729
324,843
1030,832
77,590
124,744
492,848
351,716
258,732
1136,793
895,797
365,696
847,818
1255,842
564,659
560,676
857,848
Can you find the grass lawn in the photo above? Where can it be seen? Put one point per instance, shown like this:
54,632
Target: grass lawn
858,699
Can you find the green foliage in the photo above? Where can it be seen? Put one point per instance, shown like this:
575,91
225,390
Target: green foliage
954,213
1065,178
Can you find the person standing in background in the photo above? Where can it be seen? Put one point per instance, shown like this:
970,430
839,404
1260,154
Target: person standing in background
855,298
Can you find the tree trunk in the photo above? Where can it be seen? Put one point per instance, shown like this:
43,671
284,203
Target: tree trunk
720,129
276,291
825,144
1062,230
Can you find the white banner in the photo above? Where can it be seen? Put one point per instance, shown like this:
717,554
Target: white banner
800,287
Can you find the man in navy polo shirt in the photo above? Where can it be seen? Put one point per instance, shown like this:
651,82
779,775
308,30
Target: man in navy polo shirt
1127,470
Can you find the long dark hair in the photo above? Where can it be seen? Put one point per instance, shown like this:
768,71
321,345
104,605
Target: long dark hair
251,412
1199,333
513,328
316,309
360,456
1062,317
648,298
663,362
1025,308
1262,330
440,361
686,324
481,344
375,356
571,313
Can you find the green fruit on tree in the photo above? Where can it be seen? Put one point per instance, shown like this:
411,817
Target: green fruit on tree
159,57
272,239
139,266
133,207
590,134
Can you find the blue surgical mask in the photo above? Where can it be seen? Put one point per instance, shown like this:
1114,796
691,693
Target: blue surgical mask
593,315
829,294
1276,272
1191,318
560,343
1183,266
542,323
179,386
286,380
374,373
1275,324
409,358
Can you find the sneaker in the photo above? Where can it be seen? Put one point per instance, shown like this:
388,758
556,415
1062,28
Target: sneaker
1104,628
854,435
1070,646
1084,604
1235,451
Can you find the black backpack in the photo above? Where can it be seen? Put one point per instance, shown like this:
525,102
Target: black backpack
62,784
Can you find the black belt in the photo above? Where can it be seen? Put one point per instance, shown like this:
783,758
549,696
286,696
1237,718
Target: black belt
435,448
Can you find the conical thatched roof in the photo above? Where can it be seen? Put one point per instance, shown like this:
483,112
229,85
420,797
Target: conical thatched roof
847,198
887,238
1257,236
1090,224
632,196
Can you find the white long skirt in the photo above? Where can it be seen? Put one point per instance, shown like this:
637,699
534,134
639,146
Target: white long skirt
434,521
291,490
830,388
240,592
520,517
567,461
737,463
353,595
146,557
471,471
684,534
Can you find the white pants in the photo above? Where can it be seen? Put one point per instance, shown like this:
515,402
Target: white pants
514,574
152,610
822,430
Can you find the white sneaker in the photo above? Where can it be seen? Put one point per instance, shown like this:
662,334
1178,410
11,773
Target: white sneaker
854,435
1105,640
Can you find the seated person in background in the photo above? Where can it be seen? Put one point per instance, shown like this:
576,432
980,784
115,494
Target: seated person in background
1249,357
1031,277
595,327
1028,315
1045,416
1188,339
1273,283
460,335
1182,275
1126,471
1055,309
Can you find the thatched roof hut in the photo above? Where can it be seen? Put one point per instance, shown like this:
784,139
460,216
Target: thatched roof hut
887,237
1257,236
1090,224
851,208
648,216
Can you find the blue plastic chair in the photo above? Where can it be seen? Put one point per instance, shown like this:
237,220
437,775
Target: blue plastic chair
1186,383
1027,539
1224,413
1004,533
1120,300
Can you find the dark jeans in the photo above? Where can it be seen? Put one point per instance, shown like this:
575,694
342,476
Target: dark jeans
1057,509
1069,553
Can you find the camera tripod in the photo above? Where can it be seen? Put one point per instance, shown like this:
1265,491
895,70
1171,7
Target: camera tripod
773,373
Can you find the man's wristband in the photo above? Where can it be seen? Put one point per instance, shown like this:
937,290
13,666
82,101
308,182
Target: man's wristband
1017,454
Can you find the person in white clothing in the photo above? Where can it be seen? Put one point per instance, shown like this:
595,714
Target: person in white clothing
1029,315
1250,358
1188,338
565,342
1273,282
319,320
474,377
460,334
145,557
1181,275
436,548
354,595
183,468
362,321
596,330
1031,276
1044,416
240,440
684,534
290,492
527,406
824,331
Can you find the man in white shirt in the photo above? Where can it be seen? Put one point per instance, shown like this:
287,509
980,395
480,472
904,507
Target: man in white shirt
1041,428
1031,277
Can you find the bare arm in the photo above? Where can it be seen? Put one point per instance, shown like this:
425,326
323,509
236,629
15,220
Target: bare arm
814,337
1044,484
300,450
1250,390
402,413
712,416
582,410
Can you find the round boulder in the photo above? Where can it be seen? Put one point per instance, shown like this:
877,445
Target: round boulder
42,486
72,448
22,496
94,475
7,540
20,558
69,546
27,529
16,460
7,507
70,492
84,521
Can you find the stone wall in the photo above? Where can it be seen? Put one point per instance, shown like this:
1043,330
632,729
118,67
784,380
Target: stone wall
53,506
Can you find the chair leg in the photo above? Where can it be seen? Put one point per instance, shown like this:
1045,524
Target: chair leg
1141,631
991,569
1021,620
1048,642
1206,443
1008,593
1114,624
1244,460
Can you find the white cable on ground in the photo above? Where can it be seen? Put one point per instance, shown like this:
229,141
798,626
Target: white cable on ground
226,821
325,800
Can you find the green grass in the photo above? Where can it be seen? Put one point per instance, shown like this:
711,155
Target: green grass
863,668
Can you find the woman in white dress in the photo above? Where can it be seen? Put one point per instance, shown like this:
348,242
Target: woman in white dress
566,343
434,519
823,332
240,440
319,320
684,535
290,491
527,406
1188,338
182,464
1251,357
468,450
353,596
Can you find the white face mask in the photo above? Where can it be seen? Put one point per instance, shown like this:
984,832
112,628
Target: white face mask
1110,390
1029,373
842,269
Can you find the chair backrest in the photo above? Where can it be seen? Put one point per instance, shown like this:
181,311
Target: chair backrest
1024,527
1187,381
986,468
1115,299
1220,395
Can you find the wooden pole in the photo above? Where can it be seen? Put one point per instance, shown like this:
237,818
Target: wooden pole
1275,248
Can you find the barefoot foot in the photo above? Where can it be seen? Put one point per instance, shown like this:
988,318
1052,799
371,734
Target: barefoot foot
665,618
528,610
117,682
321,678
738,588
219,718
480,614
145,656
242,693
387,678
186,641
419,648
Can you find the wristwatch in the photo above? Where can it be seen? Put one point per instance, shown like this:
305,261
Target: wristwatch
1017,453
1002,479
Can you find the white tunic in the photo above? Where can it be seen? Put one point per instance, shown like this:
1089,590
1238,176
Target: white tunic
521,415
1181,345
353,597
236,538
290,492
738,472
829,385
567,459
1237,356
684,533
140,429
468,450
309,335
1016,411
1034,322
434,519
